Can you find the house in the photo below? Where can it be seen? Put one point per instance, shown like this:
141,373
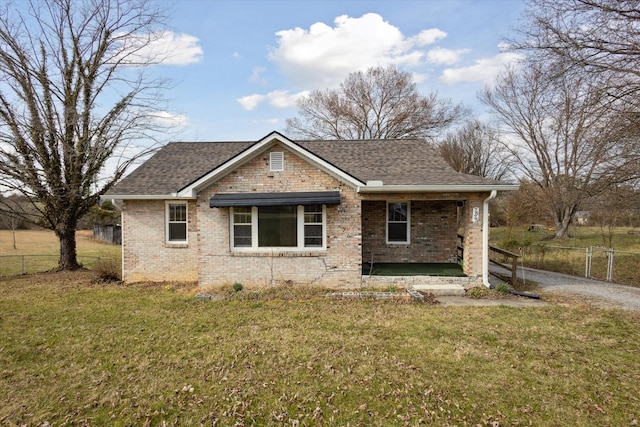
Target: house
313,212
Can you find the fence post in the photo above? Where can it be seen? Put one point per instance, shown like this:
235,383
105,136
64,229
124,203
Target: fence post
610,253
587,263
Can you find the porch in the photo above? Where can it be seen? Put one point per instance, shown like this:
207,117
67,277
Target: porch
438,269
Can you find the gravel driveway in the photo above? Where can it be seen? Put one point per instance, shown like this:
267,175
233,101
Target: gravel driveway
600,294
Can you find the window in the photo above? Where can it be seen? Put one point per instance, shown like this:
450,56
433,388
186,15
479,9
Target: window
398,214
277,226
242,227
176,222
313,225
285,227
276,161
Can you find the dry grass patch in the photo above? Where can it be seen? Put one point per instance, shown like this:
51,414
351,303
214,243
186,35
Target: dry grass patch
78,353
38,250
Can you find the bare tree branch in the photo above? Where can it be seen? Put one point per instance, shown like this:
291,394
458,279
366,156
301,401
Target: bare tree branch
70,100
566,138
381,103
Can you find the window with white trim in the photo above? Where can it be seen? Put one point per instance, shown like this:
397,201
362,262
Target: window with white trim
276,161
398,222
287,227
177,219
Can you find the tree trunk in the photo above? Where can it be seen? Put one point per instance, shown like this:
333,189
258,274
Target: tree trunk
563,222
68,256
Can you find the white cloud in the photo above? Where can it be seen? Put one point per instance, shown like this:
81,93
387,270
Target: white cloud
430,36
283,99
323,56
276,98
168,119
440,55
250,102
483,70
164,47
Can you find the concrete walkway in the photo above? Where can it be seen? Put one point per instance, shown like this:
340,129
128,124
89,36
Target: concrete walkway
595,292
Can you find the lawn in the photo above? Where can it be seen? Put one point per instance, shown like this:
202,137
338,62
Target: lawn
38,250
569,255
77,353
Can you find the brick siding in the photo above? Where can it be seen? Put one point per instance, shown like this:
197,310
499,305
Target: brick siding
337,266
433,233
146,254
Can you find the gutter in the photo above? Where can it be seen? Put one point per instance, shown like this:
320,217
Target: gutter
172,196
438,188
485,238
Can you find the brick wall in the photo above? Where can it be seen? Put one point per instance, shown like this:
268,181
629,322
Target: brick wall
146,256
338,265
433,232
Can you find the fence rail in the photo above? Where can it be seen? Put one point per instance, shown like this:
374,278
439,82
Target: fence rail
14,265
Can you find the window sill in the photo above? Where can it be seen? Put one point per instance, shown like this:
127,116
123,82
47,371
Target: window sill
279,254
176,245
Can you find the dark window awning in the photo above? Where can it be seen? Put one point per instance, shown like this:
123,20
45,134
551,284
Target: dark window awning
275,199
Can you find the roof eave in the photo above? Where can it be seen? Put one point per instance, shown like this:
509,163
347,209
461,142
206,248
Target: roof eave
437,188
145,197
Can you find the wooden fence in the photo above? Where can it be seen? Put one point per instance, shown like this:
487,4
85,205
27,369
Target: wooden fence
108,233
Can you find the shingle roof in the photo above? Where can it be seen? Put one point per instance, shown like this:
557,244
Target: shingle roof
176,165
395,162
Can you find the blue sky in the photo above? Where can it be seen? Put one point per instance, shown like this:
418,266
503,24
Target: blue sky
240,65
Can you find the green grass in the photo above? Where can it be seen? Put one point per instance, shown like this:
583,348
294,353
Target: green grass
73,353
540,251
38,250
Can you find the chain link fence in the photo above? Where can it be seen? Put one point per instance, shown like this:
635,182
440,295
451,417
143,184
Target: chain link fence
594,262
14,265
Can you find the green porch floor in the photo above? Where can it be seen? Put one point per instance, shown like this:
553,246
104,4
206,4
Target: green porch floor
413,269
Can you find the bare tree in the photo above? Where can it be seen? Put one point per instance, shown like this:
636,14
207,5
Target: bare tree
566,138
475,149
381,103
73,94
10,209
596,36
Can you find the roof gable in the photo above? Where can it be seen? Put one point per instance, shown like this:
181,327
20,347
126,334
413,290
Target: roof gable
255,150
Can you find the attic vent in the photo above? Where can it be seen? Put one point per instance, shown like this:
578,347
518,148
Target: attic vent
276,161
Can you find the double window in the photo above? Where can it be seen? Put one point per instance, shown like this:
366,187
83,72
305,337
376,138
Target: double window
286,227
177,220
398,224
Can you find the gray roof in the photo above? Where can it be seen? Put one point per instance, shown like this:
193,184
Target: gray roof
395,162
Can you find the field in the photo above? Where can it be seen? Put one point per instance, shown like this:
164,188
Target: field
569,255
77,353
38,250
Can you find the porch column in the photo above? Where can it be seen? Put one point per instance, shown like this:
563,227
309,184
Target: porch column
473,236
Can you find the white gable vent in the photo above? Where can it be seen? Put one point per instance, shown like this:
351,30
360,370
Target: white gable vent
276,161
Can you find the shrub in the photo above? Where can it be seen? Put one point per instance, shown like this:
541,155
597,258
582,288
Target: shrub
503,288
237,287
107,270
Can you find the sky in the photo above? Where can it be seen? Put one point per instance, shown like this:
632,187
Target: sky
239,66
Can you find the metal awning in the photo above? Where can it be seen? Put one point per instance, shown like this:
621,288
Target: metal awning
275,199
